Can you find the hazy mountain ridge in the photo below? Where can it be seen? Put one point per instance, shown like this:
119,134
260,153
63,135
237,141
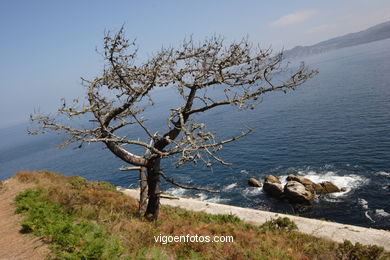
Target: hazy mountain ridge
374,33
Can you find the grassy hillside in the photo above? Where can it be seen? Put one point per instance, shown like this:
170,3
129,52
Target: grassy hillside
91,220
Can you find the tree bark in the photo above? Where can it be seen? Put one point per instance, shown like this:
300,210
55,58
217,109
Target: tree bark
143,196
153,179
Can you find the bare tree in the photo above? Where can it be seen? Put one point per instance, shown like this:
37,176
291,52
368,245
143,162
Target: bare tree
238,74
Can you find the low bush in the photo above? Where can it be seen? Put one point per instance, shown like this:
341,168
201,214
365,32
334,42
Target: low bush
280,223
349,251
70,239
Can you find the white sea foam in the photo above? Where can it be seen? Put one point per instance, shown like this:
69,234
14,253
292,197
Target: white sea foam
198,196
368,216
230,186
364,204
215,199
382,213
383,173
332,198
252,191
350,182
176,191
244,172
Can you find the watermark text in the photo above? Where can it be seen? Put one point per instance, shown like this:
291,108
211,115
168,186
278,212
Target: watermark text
193,239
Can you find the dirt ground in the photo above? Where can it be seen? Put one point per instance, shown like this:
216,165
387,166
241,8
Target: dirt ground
13,244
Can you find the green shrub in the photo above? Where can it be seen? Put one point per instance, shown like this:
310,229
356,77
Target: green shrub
70,239
79,183
178,213
224,218
348,251
279,224
150,253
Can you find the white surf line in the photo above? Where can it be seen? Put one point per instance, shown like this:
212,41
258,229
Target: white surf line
324,229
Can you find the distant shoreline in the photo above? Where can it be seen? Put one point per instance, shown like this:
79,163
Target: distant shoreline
375,33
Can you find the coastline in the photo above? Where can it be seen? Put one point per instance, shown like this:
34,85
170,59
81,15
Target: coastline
328,230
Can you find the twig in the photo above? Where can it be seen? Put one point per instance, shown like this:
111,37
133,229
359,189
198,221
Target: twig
172,181
130,168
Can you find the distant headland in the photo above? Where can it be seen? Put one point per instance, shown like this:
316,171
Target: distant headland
374,33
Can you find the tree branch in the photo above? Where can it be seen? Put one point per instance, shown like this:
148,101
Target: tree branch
126,155
172,181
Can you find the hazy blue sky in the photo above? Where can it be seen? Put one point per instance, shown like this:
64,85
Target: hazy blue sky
47,45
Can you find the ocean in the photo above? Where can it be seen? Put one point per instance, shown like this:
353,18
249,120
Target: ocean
336,127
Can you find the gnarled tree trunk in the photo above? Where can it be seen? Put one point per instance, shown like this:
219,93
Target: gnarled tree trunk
153,178
143,197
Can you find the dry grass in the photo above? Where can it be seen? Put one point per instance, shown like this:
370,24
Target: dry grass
117,213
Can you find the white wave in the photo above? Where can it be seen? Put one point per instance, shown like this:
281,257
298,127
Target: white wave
382,213
368,216
383,173
204,197
198,196
230,186
364,204
244,172
331,198
216,199
350,182
176,191
252,191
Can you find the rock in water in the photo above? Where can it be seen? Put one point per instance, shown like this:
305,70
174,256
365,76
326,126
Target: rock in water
273,189
271,179
329,187
305,181
300,179
296,192
325,187
272,186
254,182
319,188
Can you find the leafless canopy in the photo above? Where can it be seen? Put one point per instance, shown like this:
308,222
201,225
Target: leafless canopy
117,99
